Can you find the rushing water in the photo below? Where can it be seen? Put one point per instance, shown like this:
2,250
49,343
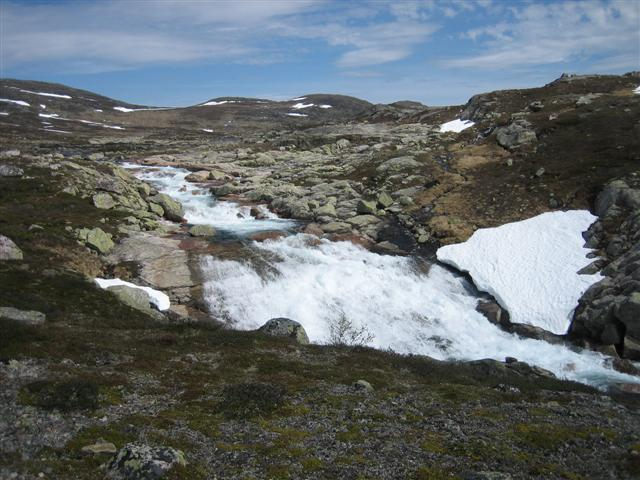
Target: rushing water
405,305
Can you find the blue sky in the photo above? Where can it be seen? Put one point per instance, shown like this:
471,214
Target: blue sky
438,52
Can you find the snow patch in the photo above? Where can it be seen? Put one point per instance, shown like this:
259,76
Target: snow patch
127,110
293,114
530,267
98,110
637,90
300,106
456,125
17,102
52,130
158,298
208,130
4,113
43,106
326,106
221,102
55,95
298,99
49,115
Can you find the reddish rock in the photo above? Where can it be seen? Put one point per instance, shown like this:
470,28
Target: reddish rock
262,236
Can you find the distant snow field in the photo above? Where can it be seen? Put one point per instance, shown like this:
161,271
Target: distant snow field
530,267
17,102
456,125
298,99
293,114
55,95
159,299
300,106
326,106
214,103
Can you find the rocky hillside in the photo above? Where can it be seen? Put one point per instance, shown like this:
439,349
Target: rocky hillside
100,384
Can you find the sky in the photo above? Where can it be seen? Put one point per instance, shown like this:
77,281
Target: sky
177,53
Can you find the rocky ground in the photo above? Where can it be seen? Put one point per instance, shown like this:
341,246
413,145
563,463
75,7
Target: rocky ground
96,382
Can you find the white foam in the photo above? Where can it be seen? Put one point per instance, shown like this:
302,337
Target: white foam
55,95
406,309
456,125
203,208
293,114
530,267
158,298
17,102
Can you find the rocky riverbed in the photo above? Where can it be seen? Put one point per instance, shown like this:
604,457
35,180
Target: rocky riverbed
95,381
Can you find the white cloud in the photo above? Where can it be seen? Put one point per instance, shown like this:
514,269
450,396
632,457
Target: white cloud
541,34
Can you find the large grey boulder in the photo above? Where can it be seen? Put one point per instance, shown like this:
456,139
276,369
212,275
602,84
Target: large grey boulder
284,327
99,240
103,201
9,250
10,171
516,134
142,462
397,165
202,231
173,209
28,317
135,298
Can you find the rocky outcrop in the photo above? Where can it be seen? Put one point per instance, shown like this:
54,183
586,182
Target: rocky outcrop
135,298
284,327
172,209
28,317
142,462
609,312
96,239
9,250
515,134
10,171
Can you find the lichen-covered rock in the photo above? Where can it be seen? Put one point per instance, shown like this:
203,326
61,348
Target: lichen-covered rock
143,462
284,327
367,207
10,171
9,250
28,317
173,210
135,298
103,201
385,200
202,231
99,240
398,164
516,134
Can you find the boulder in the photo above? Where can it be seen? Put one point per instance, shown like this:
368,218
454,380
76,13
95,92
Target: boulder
28,317
143,462
284,327
173,210
628,313
201,176
397,165
103,201
157,209
101,447
516,134
363,386
202,231
99,240
327,210
385,200
367,207
10,171
9,250
362,220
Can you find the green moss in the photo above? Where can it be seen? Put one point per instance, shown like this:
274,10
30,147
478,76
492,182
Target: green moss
66,395
550,436
352,435
247,400
434,444
312,464
278,472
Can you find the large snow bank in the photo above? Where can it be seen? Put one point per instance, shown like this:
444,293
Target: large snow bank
159,299
456,125
530,267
